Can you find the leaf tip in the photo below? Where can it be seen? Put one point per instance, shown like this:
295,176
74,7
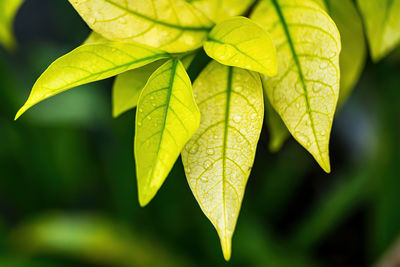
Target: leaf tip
226,244
145,197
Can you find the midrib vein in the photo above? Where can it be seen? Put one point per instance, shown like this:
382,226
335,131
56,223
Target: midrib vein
225,144
166,24
300,71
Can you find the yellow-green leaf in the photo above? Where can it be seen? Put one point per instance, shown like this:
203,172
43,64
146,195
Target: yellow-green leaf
277,129
89,63
174,26
8,9
167,117
219,10
306,90
128,85
353,55
382,22
240,42
219,157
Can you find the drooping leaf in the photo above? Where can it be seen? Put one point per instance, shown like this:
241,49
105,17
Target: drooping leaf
219,10
240,42
89,63
166,119
381,19
353,55
8,9
306,90
128,85
219,157
174,26
277,129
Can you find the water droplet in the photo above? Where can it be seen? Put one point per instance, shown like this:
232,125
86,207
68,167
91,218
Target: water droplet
194,149
140,110
188,170
240,139
215,136
207,164
139,124
204,179
237,119
152,97
323,133
210,151
154,104
149,117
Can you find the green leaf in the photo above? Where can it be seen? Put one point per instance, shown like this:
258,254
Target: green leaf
219,10
353,55
219,157
166,119
381,19
174,26
240,42
277,129
128,85
8,9
306,90
94,37
89,63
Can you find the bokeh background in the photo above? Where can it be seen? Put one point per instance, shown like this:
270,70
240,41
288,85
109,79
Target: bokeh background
68,188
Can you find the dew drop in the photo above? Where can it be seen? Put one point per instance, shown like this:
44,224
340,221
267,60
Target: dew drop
204,179
140,110
237,119
152,97
323,133
210,151
149,118
207,164
194,149
139,124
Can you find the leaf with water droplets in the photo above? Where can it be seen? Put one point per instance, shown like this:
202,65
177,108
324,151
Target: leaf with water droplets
89,63
219,157
240,42
306,89
174,26
354,49
382,22
166,119
219,10
8,9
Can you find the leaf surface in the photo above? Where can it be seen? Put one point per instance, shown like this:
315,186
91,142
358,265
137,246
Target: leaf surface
240,42
128,85
219,157
89,63
306,89
382,22
8,9
174,26
219,10
166,119
354,50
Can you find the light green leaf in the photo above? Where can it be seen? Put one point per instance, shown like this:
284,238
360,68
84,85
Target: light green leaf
219,157
128,85
381,19
277,129
167,117
89,63
306,90
353,55
8,9
219,10
240,42
174,26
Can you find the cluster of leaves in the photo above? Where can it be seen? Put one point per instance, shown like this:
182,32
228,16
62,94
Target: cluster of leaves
288,51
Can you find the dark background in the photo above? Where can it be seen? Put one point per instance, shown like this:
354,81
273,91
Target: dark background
68,188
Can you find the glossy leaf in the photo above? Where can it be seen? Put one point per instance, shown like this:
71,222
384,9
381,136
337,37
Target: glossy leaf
240,42
219,157
167,117
174,26
128,85
89,63
8,9
219,10
353,55
306,90
381,19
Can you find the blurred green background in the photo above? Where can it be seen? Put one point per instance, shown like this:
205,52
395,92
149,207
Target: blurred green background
68,188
